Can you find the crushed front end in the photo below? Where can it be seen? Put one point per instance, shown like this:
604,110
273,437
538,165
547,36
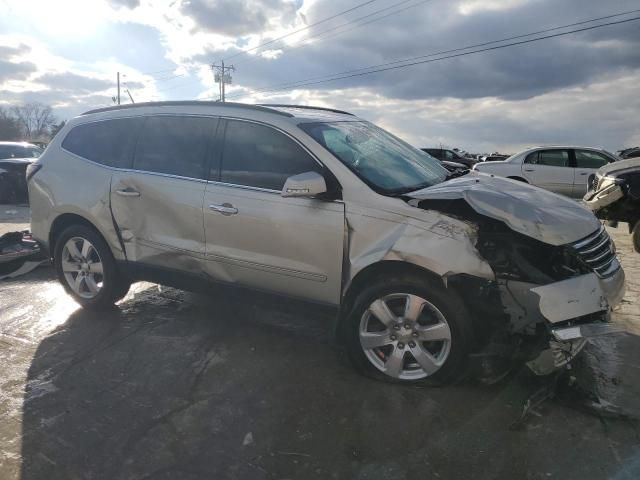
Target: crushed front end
548,295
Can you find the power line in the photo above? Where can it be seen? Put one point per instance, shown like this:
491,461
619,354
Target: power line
355,20
454,50
385,66
242,52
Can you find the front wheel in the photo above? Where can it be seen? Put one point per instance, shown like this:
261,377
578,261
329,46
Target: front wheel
86,268
635,236
406,329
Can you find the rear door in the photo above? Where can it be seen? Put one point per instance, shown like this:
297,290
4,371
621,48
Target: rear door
157,204
257,238
587,163
549,169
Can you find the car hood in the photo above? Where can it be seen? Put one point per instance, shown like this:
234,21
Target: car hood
529,210
620,165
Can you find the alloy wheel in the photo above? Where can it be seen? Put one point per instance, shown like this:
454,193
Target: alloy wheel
405,336
82,267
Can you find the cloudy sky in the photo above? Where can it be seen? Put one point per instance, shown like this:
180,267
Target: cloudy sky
582,88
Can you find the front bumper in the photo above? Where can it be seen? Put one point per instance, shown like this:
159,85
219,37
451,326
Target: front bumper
580,296
603,197
561,304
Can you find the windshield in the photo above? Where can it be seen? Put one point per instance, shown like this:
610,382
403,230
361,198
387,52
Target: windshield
383,161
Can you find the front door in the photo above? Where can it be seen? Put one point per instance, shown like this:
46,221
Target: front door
157,205
549,169
257,238
587,163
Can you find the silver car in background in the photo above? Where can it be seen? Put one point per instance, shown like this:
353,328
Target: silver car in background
560,169
423,266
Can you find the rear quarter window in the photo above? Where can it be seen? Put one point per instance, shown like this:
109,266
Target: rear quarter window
108,142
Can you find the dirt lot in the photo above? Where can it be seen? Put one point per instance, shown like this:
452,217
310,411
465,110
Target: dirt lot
174,385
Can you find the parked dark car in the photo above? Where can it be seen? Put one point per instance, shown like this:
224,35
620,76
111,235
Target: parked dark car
614,195
493,158
633,152
444,154
15,157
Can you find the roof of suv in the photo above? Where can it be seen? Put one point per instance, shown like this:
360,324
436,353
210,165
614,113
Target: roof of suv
297,111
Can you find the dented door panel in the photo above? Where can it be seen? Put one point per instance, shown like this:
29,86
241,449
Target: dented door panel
159,218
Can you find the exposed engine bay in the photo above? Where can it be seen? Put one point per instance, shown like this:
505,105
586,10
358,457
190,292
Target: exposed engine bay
547,296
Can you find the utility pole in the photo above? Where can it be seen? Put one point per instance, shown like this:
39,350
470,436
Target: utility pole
118,88
222,76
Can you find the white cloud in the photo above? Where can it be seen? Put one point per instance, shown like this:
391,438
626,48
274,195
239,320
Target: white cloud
469,7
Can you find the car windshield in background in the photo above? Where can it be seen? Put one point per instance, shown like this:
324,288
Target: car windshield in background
386,163
17,151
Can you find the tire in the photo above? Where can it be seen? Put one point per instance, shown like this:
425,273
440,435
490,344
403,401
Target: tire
99,289
447,359
635,236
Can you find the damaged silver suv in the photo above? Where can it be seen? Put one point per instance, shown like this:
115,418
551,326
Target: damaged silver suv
431,272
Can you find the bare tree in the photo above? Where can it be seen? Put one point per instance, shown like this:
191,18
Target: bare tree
55,128
34,118
9,128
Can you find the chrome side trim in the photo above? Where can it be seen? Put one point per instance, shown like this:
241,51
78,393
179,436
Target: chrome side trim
244,187
315,277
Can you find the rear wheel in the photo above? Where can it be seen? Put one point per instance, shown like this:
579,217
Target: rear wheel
86,268
406,329
635,236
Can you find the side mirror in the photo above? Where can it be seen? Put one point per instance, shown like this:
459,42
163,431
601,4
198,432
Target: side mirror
307,184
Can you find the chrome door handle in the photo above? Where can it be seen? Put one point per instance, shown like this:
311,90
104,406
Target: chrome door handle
128,193
225,209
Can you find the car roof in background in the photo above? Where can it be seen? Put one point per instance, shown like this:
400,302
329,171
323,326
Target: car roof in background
620,165
18,144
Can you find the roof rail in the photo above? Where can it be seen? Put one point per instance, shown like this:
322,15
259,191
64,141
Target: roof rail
195,103
305,107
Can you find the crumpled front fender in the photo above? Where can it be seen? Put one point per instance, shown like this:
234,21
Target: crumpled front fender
445,246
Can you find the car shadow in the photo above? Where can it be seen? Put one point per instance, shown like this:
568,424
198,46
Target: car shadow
173,385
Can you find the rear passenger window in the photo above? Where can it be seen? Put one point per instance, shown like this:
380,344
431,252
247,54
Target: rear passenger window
550,158
175,145
109,142
259,156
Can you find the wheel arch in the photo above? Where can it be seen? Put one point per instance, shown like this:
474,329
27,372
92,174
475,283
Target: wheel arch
383,268
65,220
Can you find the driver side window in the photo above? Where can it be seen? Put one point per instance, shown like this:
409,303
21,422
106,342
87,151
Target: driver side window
259,156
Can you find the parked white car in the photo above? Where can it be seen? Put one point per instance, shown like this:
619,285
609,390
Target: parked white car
560,169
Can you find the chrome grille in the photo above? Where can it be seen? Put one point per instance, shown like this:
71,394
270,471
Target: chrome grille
598,252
